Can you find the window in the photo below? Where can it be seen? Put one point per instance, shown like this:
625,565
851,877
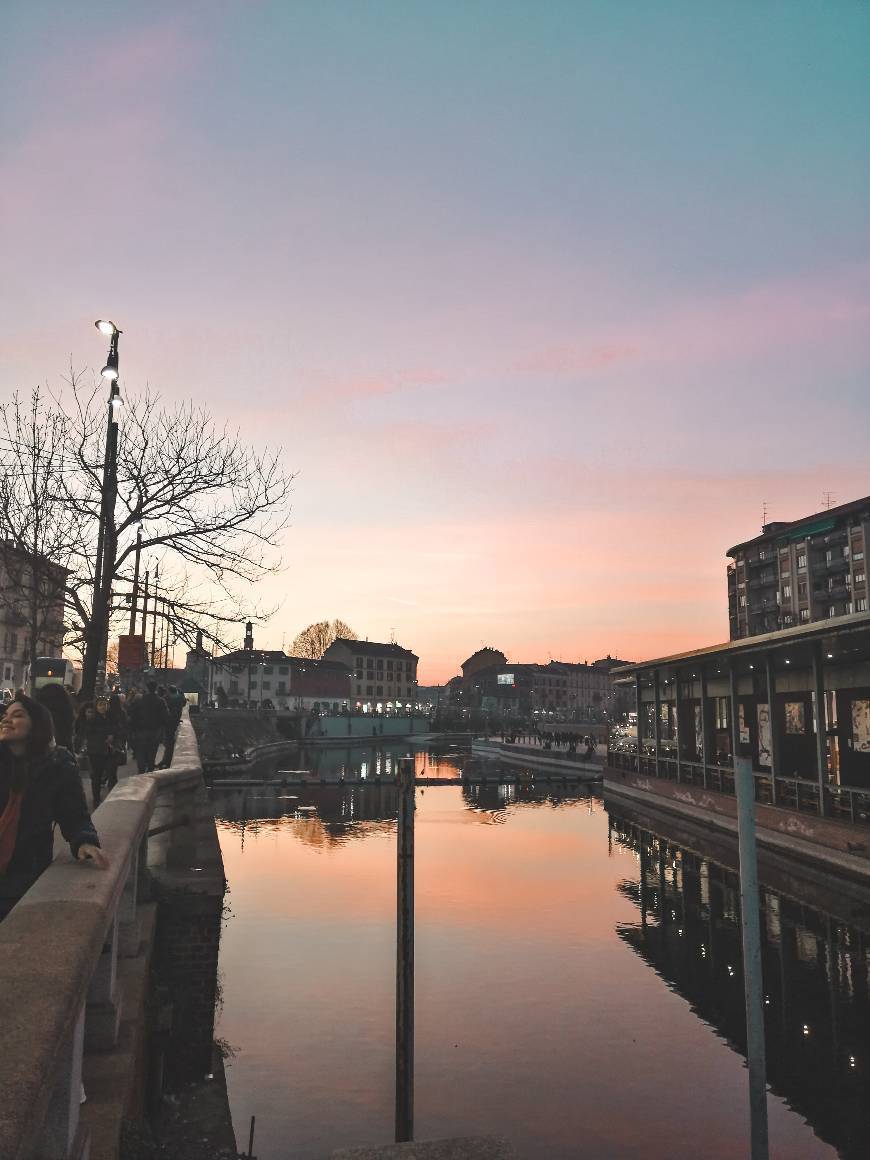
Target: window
379,692
389,666
368,690
359,674
859,577
802,589
829,555
267,685
805,614
802,561
282,687
785,574
268,670
787,619
253,684
380,662
359,662
721,712
848,608
861,604
832,610
857,555
786,591
283,670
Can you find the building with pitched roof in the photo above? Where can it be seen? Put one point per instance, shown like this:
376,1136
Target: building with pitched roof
383,676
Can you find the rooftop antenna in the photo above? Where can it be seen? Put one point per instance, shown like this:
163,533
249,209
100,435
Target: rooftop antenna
829,499
392,636
763,515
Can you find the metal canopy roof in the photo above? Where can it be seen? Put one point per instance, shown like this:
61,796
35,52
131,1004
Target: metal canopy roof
856,624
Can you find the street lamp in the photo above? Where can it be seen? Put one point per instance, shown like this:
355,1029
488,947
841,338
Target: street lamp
98,629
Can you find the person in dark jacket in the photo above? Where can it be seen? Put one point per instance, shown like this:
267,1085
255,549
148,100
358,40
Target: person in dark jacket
175,702
96,731
148,720
63,714
40,785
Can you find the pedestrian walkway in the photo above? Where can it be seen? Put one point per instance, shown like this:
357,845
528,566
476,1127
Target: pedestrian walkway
126,770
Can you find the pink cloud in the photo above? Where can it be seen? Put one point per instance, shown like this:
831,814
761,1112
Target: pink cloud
770,316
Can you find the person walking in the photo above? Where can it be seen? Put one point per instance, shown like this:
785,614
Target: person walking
99,746
148,718
40,786
175,702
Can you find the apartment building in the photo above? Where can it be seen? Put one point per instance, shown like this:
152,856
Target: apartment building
32,594
383,676
810,569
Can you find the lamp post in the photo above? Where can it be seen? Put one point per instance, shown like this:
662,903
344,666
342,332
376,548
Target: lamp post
97,636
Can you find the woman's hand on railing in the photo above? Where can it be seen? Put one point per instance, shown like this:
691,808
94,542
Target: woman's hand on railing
89,853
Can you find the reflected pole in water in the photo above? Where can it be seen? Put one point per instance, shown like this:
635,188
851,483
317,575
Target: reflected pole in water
744,784
405,954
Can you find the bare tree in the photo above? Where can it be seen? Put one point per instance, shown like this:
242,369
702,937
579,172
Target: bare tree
313,641
212,510
40,534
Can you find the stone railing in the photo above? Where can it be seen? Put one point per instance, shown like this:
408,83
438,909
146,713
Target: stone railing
59,953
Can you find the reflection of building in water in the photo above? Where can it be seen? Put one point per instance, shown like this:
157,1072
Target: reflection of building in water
323,815
815,967
492,796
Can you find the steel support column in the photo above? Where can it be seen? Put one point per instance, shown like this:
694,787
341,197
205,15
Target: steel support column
821,726
770,673
705,727
639,709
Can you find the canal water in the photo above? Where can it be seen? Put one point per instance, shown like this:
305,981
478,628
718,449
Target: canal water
578,982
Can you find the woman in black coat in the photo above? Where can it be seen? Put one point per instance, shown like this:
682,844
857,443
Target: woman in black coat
40,785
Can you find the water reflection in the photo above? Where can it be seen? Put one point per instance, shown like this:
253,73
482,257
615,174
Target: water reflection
339,813
532,1020
815,969
335,763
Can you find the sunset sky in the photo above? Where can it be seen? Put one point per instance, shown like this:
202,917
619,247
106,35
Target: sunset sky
543,301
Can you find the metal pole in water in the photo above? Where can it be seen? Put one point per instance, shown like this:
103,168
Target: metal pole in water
744,784
405,954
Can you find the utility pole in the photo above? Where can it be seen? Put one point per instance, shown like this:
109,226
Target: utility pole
135,599
154,616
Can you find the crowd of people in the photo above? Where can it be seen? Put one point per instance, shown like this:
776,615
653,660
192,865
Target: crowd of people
560,740
47,742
